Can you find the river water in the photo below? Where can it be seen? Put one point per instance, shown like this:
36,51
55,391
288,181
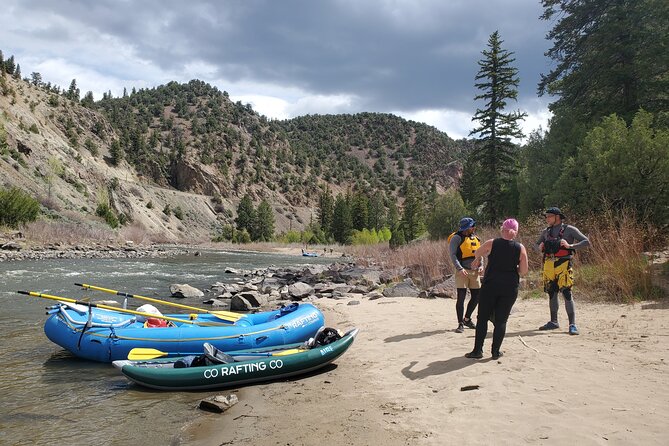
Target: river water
48,396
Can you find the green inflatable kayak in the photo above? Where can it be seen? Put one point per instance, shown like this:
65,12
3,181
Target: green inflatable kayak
216,369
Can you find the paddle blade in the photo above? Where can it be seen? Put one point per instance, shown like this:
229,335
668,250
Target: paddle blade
226,315
292,351
142,354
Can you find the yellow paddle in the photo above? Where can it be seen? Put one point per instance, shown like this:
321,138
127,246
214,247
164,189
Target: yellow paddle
224,315
144,354
121,310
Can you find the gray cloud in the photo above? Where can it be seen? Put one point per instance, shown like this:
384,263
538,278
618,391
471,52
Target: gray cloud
390,55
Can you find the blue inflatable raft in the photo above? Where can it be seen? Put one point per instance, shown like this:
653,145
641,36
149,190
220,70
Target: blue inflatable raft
106,335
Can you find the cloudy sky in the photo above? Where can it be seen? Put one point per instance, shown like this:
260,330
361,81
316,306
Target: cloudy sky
413,58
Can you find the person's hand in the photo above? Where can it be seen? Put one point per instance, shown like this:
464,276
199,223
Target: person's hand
541,247
463,272
564,244
480,270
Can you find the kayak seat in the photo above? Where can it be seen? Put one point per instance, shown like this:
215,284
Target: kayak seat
215,355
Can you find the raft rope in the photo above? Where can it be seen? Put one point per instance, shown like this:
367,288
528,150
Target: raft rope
73,325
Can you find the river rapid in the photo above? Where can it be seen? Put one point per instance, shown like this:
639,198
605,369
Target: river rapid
48,396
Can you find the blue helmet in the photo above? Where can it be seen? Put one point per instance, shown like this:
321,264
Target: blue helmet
466,223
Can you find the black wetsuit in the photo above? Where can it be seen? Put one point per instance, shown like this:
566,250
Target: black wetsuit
498,291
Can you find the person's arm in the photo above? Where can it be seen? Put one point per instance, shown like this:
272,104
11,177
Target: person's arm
578,240
523,265
453,251
483,251
539,244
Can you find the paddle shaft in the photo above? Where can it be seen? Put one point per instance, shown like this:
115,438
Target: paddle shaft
106,307
227,314
140,353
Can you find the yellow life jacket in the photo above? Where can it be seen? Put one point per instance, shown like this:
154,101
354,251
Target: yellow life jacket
468,246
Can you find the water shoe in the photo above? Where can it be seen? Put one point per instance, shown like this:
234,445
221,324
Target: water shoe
550,325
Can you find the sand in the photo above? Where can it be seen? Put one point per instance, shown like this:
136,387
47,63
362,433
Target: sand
401,382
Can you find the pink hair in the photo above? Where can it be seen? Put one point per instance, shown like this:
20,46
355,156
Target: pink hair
510,227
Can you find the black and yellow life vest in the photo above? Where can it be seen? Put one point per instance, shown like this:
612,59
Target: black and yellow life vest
468,246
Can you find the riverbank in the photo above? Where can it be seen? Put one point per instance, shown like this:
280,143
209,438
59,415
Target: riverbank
404,380
13,250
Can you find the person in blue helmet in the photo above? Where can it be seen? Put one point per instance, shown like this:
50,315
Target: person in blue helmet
558,242
462,246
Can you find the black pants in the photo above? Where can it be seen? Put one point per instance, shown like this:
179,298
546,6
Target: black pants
497,301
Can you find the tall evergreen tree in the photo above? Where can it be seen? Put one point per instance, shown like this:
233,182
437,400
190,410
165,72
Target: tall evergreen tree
10,65
326,210
36,79
246,214
494,158
413,215
116,152
73,92
342,225
611,57
376,213
264,228
359,211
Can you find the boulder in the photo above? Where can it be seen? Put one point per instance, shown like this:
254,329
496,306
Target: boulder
402,289
11,246
445,289
239,303
185,290
299,290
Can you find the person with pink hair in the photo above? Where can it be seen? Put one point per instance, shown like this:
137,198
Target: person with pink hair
507,261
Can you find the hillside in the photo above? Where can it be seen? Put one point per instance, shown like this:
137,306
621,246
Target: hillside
188,147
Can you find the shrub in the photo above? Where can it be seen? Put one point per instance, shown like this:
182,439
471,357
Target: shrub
17,207
103,210
226,234
178,213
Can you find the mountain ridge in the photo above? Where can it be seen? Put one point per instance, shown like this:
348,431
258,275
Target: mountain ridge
188,146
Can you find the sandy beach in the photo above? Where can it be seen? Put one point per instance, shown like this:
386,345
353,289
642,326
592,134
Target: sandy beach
402,382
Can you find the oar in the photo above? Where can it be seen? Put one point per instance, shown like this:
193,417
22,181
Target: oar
108,307
225,315
143,354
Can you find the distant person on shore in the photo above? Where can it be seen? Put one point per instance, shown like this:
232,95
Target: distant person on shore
507,261
558,243
462,246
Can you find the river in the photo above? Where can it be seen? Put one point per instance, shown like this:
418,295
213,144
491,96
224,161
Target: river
48,396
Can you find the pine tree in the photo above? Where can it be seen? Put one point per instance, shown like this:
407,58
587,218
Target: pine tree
73,92
36,79
610,57
10,65
115,153
17,72
326,210
376,212
359,211
342,224
88,100
494,158
246,214
413,216
264,228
